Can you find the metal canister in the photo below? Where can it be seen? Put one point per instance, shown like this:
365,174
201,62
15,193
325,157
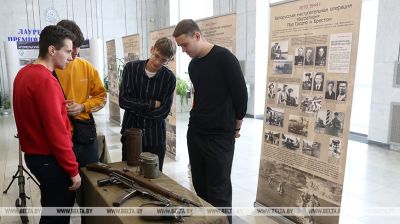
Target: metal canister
149,165
133,146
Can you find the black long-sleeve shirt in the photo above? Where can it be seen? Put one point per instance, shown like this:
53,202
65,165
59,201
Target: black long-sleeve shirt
220,93
137,97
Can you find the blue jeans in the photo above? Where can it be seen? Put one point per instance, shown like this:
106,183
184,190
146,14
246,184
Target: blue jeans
54,183
86,154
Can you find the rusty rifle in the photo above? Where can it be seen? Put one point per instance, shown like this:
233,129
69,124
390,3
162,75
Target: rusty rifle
142,182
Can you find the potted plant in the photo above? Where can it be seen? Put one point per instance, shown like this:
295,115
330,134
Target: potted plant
106,78
6,104
120,69
182,90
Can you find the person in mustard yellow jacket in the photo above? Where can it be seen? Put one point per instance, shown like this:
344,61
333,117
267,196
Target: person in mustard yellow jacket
84,93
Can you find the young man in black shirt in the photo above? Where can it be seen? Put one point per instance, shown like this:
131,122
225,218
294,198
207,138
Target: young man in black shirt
220,103
146,95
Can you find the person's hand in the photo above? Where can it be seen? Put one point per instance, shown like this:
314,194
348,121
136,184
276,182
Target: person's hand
76,182
73,108
237,134
158,104
238,126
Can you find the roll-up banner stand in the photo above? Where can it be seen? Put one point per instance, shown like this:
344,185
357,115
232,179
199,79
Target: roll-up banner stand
310,82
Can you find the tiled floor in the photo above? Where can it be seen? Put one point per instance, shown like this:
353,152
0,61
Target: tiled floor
372,175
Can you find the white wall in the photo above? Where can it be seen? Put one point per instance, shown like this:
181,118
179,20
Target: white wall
187,9
387,47
245,46
262,43
364,68
97,18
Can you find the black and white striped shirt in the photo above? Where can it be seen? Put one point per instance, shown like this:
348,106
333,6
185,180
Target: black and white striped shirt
137,96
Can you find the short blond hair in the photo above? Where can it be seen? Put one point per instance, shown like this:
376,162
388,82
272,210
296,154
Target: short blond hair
166,47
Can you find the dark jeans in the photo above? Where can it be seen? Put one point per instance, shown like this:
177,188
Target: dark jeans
54,183
158,150
86,154
211,159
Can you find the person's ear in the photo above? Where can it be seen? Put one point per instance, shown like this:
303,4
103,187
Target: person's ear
51,50
197,35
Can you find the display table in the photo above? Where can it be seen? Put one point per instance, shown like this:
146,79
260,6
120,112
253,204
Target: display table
94,196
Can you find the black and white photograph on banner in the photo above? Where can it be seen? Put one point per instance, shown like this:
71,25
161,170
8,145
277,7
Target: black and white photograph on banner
309,59
341,92
279,50
290,142
329,122
315,192
272,137
274,116
282,89
330,93
283,67
311,148
271,90
27,52
318,84
299,56
310,104
288,94
320,56
335,147
298,125
293,187
276,178
132,57
307,81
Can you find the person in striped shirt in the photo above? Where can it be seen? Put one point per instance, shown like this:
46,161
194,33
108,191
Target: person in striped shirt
146,95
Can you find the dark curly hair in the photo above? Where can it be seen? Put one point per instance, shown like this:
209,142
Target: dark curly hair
74,28
53,35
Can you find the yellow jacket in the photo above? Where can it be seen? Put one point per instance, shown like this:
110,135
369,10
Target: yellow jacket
81,82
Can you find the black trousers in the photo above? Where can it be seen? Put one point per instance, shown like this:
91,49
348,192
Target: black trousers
86,154
211,159
54,183
158,150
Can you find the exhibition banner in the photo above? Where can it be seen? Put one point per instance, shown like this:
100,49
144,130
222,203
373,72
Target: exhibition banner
220,30
131,45
171,119
113,82
311,72
157,34
27,52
